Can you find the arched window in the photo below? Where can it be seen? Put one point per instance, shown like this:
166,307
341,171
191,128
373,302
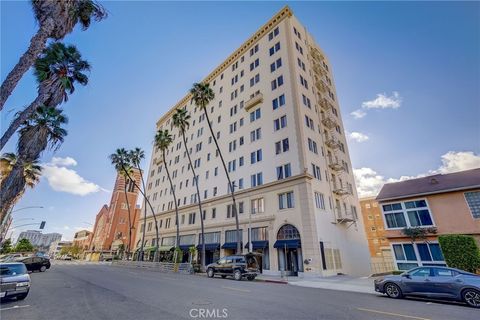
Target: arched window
288,232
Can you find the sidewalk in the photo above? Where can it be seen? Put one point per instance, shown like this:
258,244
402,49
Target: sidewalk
342,283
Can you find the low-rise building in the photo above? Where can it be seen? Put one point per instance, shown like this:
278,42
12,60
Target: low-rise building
378,244
56,247
435,205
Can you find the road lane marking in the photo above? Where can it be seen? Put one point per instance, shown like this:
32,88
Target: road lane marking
15,307
236,289
392,314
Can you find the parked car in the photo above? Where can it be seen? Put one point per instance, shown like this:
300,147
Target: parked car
433,282
236,266
36,263
14,280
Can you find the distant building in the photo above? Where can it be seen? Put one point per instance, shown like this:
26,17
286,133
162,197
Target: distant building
82,240
440,204
56,247
378,244
38,239
111,229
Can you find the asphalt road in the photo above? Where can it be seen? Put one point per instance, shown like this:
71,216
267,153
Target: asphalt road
117,293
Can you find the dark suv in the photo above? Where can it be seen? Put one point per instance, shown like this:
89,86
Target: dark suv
36,263
237,266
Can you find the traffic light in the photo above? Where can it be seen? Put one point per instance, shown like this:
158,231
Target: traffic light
42,225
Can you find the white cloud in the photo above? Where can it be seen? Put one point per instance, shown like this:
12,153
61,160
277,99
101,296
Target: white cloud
67,180
369,182
66,228
64,162
382,101
359,137
358,114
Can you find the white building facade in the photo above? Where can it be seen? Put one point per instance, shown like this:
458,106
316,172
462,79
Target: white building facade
278,123
39,239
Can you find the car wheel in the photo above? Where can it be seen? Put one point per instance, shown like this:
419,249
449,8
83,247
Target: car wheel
210,273
237,275
22,296
471,297
43,269
251,278
393,291
223,277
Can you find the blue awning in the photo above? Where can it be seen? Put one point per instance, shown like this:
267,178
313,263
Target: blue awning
209,246
289,244
186,247
261,244
230,245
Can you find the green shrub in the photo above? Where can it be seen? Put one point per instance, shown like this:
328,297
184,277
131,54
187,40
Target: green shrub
460,251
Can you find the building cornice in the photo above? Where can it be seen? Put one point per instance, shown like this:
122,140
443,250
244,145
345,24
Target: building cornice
414,195
285,12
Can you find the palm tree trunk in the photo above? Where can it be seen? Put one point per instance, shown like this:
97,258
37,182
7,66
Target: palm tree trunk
174,200
37,44
129,220
239,246
151,208
145,197
140,253
11,189
202,256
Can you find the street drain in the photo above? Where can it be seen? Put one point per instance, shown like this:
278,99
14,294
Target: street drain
201,303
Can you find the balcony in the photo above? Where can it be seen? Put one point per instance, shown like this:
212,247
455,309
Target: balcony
324,104
331,142
335,165
316,54
328,122
255,99
340,190
321,86
318,69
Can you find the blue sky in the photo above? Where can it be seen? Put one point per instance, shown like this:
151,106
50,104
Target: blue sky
417,64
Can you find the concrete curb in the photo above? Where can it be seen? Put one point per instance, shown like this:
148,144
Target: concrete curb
272,281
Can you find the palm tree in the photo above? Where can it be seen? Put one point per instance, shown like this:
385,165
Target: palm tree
56,70
137,155
56,19
202,94
123,164
43,130
163,139
181,121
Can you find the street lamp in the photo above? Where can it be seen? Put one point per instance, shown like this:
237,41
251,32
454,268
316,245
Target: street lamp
29,207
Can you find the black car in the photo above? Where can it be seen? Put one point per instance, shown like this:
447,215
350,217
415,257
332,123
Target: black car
433,282
36,263
236,266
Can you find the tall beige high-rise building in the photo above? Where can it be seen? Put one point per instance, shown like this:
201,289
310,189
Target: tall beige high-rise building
277,118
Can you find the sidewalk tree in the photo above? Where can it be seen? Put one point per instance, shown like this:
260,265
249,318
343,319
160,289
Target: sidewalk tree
6,246
123,164
137,155
41,131
181,120
57,71
56,19
460,251
24,245
163,140
202,94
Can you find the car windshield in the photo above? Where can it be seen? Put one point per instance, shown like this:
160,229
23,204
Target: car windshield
12,270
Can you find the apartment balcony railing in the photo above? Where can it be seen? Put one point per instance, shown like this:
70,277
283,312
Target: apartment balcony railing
321,86
340,190
255,99
316,54
335,165
344,217
324,104
318,68
331,142
328,122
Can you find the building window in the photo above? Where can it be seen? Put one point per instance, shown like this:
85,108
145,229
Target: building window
255,156
284,171
214,213
316,172
255,134
254,64
277,82
258,205
407,214
256,179
274,49
410,255
319,200
231,235
255,115
280,123
473,201
273,34
191,218
278,102
282,146
255,80
275,65
286,200
254,50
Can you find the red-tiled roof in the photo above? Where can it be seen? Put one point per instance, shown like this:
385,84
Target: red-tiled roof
438,183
